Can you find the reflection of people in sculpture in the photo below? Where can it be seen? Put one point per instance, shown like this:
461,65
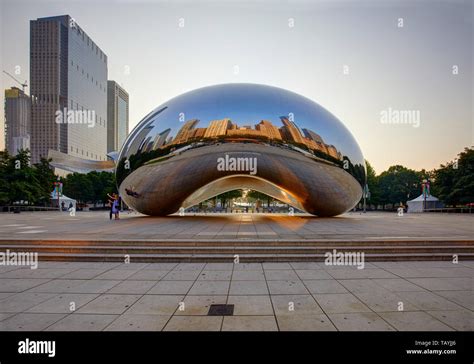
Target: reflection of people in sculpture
132,193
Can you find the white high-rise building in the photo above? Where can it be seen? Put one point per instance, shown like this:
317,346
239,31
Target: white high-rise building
17,120
117,116
68,78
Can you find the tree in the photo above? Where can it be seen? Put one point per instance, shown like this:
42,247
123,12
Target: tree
108,184
20,182
454,181
103,183
4,191
91,187
398,184
46,178
373,184
256,195
79,187
226,196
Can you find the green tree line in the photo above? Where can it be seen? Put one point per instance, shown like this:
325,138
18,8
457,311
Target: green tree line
92,187
21,182
25,183
452,183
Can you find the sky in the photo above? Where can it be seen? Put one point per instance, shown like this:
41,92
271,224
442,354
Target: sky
361,60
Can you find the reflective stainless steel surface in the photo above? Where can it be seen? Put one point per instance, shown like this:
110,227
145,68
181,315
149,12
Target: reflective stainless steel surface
74,164
224,137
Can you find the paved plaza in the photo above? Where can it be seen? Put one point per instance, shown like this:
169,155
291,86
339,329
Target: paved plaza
285,296
349,226
400,296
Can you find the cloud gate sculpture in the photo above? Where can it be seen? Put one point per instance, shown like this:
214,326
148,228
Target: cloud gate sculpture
240,136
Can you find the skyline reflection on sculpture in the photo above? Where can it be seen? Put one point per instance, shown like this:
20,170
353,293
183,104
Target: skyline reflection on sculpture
247,117
227,130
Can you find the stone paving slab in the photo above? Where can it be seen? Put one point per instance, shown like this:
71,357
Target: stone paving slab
171,287
215,275
340,303
251,305
250,275
414,321
314,322
361,321
138,323
324,286
210,288
248,288
269,296
132,287
295,305
63,303
199,305
78,322
109,304
19,285
194,323
462,320
30,321
249,323
158,305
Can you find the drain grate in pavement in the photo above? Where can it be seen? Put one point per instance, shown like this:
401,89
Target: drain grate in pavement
221,310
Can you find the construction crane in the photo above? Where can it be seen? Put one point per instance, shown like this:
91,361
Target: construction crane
23,85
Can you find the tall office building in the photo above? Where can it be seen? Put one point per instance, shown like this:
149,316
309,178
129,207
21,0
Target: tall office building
160,139
68,78
139,143
117,116
244,132
312,135
268,129
17,120
217,128
185,131
290,130
197,133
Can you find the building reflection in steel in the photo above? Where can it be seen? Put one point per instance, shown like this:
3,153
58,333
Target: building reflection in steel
306,157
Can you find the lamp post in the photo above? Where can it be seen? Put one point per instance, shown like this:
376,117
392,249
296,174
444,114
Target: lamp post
426,191
366,195
58,188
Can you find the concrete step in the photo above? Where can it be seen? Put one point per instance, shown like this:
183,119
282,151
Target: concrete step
249,250
155,258
238,242
229,249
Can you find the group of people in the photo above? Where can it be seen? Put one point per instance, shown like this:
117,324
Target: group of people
114,202
63,206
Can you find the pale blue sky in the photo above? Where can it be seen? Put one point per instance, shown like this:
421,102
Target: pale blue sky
407,68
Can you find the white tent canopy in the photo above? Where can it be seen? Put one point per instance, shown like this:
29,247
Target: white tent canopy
417,204
62,198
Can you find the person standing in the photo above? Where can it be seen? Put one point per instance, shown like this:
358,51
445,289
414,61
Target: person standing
111,204
116,207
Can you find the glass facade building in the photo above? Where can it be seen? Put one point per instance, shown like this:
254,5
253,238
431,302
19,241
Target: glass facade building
301,153
68,78
117,116
17,120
